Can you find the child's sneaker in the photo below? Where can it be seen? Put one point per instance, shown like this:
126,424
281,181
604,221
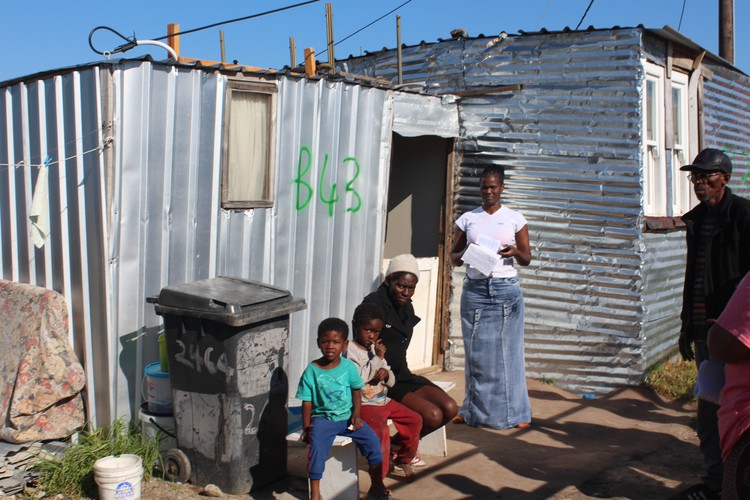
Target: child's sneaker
417,461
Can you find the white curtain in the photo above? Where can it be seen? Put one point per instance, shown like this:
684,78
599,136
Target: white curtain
248,146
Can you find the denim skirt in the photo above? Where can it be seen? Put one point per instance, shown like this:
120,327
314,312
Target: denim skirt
492,328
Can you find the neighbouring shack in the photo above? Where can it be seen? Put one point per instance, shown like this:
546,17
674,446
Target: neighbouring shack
592,127
121,177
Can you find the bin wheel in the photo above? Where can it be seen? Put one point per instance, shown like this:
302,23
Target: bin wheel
176,466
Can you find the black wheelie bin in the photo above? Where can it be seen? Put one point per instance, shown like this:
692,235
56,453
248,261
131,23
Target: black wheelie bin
228,344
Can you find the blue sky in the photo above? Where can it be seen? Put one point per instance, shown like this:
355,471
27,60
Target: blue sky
44,35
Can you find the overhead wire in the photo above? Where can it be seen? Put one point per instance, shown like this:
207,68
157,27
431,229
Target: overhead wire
347,37
584,14
544,13
214,25
682,12
132,41
373,22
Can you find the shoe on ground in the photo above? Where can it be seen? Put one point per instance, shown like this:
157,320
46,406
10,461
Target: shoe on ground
417,461
698,492
385,495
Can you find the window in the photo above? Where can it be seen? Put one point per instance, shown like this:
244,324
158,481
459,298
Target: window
682,194
667,191
249,142
655,170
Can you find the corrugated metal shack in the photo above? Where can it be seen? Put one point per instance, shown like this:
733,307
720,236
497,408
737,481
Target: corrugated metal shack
140,196
591,126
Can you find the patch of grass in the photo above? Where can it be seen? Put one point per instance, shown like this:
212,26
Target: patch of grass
72,474
673,380
546,380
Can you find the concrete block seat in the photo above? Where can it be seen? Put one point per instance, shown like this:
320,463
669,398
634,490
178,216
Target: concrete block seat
341,479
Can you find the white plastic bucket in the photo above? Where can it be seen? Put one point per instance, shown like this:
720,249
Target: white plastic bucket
153,424
119,477
158,392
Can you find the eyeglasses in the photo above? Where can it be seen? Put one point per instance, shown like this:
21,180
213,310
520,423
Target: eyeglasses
696,178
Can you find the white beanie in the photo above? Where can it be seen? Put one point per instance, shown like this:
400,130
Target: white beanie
403,263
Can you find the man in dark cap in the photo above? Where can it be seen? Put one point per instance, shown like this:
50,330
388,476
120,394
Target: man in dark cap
718,257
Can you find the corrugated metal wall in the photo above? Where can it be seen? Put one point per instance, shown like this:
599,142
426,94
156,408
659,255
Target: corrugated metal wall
172,230
727,118
157,220
329,254
59,117
164,205
570,140
663,275
125,220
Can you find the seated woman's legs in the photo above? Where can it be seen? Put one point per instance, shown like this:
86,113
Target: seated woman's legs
435,406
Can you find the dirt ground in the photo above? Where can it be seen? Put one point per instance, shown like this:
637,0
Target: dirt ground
629,444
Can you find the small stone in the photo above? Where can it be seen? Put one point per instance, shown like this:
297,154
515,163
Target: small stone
211,490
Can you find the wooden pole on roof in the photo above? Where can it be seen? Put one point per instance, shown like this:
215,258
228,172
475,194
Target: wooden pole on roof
221,43
174,39
293,52
329,28
398,50
310,69
726,30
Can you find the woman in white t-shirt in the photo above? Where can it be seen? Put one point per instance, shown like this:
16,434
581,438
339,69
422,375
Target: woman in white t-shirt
491,239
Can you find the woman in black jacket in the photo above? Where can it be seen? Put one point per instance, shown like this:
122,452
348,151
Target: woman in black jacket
417,393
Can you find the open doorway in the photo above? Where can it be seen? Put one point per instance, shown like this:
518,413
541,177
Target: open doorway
415,223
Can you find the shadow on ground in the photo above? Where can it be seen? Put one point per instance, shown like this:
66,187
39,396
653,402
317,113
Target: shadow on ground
629,444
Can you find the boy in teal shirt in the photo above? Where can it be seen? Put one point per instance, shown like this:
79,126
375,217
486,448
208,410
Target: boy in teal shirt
330,393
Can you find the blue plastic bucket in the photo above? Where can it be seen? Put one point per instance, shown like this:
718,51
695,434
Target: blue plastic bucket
158,391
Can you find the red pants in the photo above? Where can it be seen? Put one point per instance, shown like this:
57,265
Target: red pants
408,423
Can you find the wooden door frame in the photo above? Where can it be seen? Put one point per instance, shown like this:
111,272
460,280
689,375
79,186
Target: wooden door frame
442,317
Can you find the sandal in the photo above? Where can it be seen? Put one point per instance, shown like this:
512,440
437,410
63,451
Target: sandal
407,469
458,419
524,425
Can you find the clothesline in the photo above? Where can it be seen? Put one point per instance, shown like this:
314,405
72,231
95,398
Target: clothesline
22,163
4,166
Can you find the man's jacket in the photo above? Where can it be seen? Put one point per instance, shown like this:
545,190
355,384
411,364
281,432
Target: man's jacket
727,257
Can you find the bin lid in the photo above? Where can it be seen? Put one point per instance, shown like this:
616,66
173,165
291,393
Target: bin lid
233,301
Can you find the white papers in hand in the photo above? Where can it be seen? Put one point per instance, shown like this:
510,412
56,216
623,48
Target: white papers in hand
488,243
481,258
